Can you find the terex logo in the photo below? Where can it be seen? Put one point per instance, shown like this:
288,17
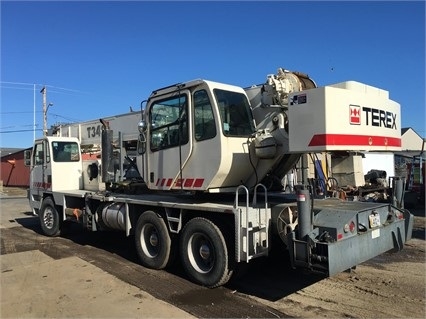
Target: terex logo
376,117
373,117
355,114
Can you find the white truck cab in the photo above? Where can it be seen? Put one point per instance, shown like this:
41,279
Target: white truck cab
56,165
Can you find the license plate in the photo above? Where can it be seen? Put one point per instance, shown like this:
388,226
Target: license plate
374,220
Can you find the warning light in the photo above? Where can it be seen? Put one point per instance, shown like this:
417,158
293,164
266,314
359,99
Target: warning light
352,227
349,228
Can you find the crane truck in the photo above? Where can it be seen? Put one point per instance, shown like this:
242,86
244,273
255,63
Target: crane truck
186,176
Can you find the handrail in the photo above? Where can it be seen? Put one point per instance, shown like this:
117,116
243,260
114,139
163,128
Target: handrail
255,195
236,195
250,224
239,218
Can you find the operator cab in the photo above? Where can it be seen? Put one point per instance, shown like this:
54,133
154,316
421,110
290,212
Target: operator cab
196,137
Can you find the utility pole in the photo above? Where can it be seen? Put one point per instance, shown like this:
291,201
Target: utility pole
34,110
45,109
43,92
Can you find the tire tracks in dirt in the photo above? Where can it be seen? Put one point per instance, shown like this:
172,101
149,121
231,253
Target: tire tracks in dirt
114,254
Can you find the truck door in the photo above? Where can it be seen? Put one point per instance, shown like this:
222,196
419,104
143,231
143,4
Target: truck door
169,144
40,179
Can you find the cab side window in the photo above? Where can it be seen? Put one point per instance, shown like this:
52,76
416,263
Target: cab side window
236,117
169,123
65,152
38,155
205,127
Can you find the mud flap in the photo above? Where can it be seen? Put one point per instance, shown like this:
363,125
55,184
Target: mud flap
398,243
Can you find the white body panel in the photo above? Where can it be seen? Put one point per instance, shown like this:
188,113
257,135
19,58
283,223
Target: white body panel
209,165
67,176
89,132
345,116
94,183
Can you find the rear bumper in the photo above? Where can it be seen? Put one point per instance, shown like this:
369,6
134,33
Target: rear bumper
331,258
348,253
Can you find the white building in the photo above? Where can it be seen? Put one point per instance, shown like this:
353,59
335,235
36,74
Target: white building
411,141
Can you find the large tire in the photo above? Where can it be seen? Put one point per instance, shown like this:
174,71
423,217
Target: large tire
152,239
49,218
204,253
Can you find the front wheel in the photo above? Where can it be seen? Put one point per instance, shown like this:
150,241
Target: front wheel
204,253
153,243
49,218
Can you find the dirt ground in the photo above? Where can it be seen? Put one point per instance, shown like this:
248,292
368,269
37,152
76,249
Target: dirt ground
389,286
392,285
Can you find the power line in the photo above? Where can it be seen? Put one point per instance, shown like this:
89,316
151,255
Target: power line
39,85
4,127
65,118
71,92
15,88
19,131
65,89
19,83
19,112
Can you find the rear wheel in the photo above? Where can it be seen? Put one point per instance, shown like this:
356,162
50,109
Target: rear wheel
204,253
49,218
153,244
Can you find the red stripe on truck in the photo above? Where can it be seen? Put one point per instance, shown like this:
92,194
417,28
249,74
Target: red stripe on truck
185,182
358,140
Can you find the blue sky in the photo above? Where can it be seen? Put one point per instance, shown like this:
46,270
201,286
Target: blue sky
100,58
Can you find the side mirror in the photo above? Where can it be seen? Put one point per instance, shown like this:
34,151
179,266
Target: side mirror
27,157
142,127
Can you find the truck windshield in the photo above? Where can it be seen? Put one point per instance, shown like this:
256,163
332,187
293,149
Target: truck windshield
65,152
235,113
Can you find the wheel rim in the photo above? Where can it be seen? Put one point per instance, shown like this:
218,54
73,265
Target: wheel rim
48,218
201,253
150,241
